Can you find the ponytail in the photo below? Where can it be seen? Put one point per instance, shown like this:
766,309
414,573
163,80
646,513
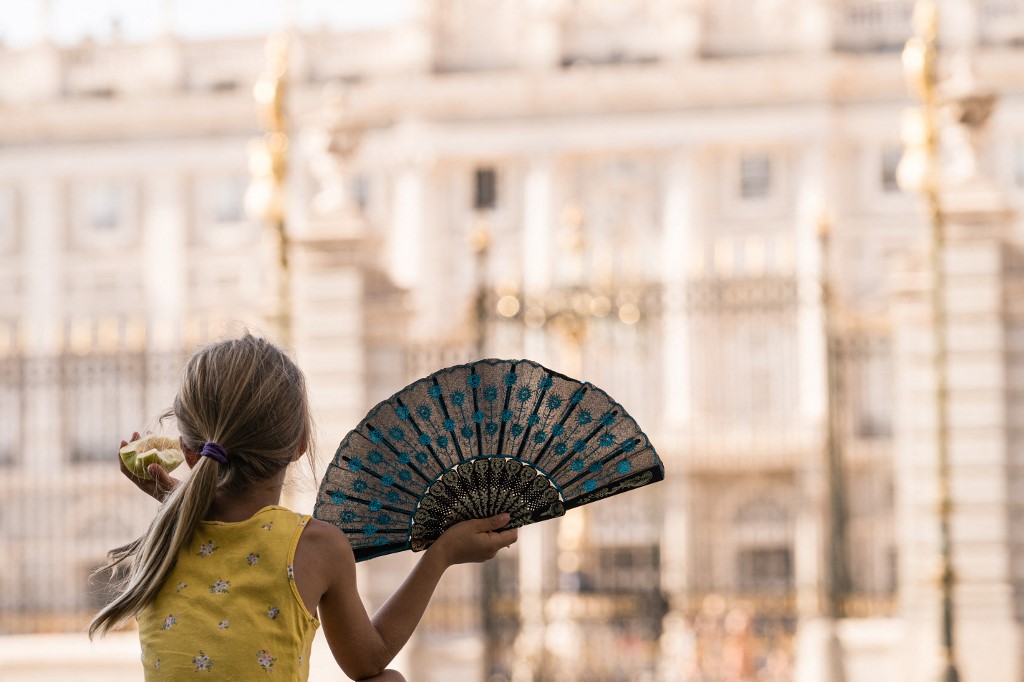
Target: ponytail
148,561
242,396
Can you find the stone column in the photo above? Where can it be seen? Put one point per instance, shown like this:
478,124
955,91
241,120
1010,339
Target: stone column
812,396
677,643
680,36
818,655
538,226
815,32
411,243
677,242
542,49
419,38
406,234
164,237
348,332
164,241
811,196
981,340
42,330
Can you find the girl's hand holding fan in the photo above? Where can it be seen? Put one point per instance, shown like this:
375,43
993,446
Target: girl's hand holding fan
475,540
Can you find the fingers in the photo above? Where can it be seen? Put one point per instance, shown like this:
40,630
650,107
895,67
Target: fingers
507,538
492,523
498,538
160,475
135,437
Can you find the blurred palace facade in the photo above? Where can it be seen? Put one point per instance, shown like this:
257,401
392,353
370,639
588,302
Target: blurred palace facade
634,191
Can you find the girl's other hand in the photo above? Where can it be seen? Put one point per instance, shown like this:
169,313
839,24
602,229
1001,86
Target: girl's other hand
157,487
474,541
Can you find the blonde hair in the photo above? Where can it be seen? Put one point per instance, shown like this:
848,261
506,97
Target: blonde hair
246,395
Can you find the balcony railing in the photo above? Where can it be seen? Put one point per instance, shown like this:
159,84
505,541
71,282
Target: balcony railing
873,25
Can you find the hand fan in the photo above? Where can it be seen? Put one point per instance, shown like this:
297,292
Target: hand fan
476,440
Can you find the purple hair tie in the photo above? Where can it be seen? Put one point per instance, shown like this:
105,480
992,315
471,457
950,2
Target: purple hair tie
216,451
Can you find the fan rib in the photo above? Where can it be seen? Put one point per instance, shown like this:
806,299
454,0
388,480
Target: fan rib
383,506
454,439
651,474
586,439
419,432
618,451
380,531
526,434
504,407
390,447
565,417
547,444
379,477
501,433
476,408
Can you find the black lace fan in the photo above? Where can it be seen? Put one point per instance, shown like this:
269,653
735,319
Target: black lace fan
476,440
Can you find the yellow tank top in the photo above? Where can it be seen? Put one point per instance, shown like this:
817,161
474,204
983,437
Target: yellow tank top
230,606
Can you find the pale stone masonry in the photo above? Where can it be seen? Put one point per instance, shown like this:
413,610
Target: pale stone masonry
983,273
697,143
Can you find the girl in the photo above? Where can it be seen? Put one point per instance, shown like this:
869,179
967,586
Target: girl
226,581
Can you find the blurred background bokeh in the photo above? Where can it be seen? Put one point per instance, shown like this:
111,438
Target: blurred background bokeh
782,233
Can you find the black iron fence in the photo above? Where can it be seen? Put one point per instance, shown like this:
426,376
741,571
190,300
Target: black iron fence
63,501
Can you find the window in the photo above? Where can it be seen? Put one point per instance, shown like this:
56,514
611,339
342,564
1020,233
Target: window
755,176
105,213
765,569
889,161
11,402
625,569
8,217
361,191
1018,163
221,214
106,207
485,189
227,199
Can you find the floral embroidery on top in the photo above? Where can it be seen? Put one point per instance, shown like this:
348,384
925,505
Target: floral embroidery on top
202,662
156,664
303,521
169,621
273,612
265,660
223,625
181,586
300,660
206,549
220,587
291,573
266,526
252,558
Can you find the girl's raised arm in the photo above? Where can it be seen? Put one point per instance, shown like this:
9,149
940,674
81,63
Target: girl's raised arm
363,647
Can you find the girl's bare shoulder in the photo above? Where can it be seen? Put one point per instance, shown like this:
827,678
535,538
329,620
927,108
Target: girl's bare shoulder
323,562
322,537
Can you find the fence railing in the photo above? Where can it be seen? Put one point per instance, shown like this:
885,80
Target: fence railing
63,501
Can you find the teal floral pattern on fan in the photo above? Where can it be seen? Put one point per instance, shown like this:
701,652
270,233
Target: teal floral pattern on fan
476,440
